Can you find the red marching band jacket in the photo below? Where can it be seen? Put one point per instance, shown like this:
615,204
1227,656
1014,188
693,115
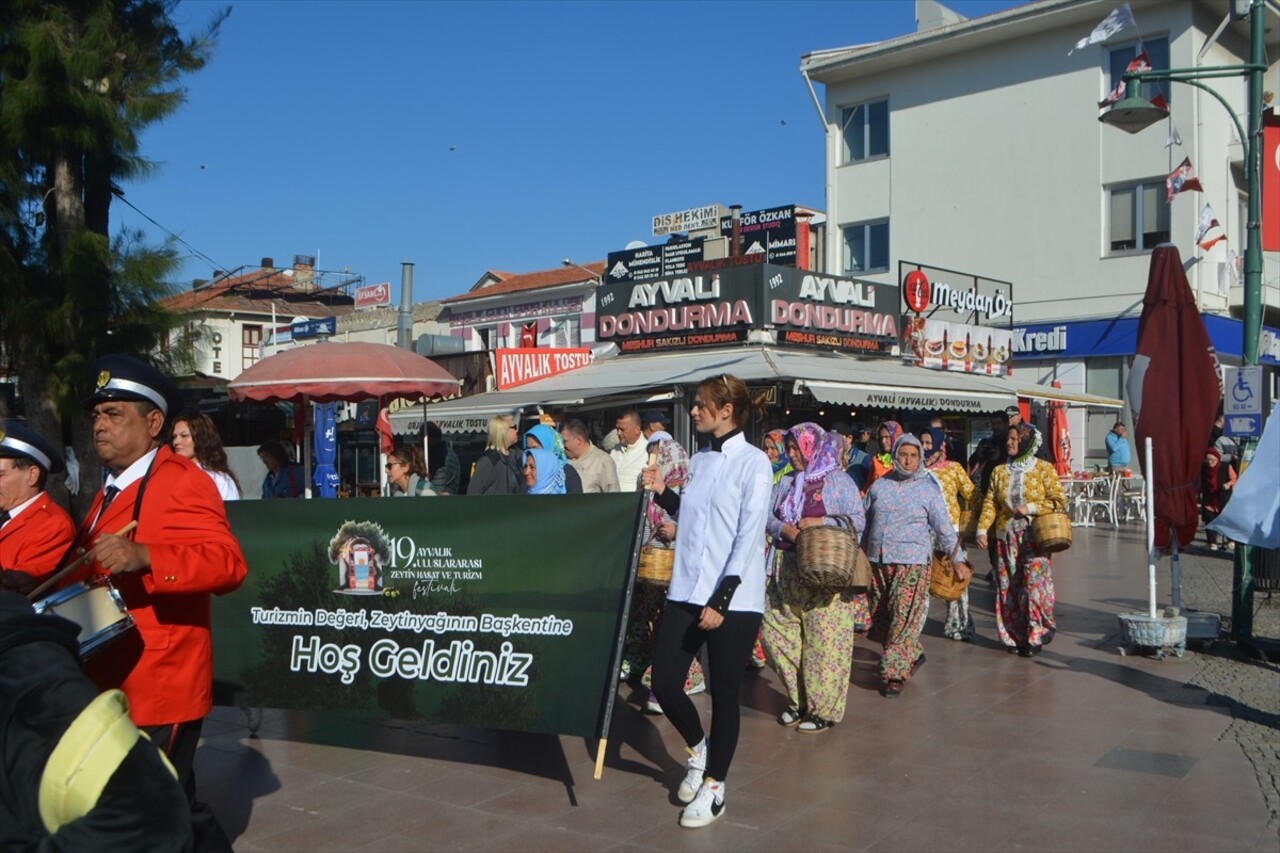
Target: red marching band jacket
183,523
35,539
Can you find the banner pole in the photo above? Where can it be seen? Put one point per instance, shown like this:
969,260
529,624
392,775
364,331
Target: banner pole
619,645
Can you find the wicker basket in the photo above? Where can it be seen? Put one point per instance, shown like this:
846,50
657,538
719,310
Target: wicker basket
1052,532
655,565
825,557
943,582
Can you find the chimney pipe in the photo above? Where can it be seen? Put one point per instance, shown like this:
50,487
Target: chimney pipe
735,241
404,320
268,263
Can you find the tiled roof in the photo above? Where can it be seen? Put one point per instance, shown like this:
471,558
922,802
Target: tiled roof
259,292
531,281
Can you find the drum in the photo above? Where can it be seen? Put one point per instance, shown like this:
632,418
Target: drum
655,565
1052,532
96,607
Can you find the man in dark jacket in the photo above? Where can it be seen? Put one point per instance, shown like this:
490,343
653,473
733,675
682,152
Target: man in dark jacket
107,787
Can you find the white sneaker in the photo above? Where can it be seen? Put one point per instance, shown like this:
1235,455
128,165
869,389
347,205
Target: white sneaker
696,689
695,769
652,705
706,807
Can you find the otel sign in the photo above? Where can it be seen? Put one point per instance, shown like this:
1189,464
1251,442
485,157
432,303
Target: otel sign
917,290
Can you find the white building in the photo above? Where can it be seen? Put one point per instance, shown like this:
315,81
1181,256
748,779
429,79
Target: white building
974,145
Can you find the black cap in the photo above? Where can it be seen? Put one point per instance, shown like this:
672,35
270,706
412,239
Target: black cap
859,429
1010,411
18,441
123,377
842,427
655,416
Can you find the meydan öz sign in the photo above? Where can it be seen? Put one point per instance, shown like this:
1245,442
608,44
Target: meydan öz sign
718,303
397,609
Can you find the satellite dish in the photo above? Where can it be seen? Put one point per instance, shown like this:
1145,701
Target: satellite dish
637,244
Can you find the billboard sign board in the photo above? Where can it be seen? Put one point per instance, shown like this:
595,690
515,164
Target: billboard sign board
955,297
373,295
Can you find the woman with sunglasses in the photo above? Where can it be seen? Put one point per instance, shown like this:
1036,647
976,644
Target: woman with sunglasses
406,474
716,597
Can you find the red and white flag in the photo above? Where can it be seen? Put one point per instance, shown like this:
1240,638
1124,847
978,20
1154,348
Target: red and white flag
1182,179
1207,222
1120,18
1206,245
1138,63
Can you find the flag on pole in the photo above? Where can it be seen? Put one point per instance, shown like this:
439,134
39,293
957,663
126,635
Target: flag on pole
1181,179
1138,63
1120,17
1206,245
1175,138
1207,221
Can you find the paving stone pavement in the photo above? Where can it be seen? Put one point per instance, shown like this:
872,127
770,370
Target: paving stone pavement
1079,748
1250,688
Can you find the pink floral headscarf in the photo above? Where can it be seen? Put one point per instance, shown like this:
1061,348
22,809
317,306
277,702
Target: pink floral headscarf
820,451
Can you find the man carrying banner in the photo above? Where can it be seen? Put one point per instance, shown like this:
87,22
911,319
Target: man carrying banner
34,531
181,551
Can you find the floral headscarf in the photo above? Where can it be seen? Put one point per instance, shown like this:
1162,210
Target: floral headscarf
549,439
672,465
778,439
895,430
820,451
550,473
937,457
898,473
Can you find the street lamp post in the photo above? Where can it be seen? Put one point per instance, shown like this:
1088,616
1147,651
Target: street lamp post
1133,114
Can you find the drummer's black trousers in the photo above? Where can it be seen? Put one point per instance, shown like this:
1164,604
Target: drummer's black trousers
178,741
728,648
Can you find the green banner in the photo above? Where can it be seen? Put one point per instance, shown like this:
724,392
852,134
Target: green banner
500,612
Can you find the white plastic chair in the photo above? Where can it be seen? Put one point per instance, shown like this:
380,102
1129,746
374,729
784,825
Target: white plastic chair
1100,494
1131,499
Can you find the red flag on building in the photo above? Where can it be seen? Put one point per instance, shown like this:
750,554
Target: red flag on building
1181,179
1173,392
386,440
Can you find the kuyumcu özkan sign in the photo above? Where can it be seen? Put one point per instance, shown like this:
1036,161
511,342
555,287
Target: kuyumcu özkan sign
514,367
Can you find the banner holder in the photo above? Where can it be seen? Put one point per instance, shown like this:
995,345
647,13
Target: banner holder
611,684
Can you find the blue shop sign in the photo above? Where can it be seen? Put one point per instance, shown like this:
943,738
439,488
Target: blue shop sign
1119,336
325,326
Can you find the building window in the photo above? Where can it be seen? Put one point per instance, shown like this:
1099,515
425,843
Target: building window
566,332
250,344
1139,217
1157,54
865,131
866,247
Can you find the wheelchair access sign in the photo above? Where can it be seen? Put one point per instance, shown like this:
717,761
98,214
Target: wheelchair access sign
1242,402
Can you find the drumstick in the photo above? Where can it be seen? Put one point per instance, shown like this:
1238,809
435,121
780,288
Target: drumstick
74,564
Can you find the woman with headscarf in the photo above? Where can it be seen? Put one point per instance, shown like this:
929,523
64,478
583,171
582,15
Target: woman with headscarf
543,436
543,474
1217,480
1021,489
882,462
647,603
906,519
808,635
957,491
774,445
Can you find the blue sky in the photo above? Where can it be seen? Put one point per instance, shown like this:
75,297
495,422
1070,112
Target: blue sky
486,135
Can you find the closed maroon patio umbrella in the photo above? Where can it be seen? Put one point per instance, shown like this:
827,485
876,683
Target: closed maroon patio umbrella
1174,390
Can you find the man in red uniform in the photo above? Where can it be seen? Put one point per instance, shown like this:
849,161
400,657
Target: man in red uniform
181,552
34,531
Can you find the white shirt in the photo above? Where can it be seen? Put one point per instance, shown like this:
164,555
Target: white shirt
13,513
723,508
226,485
630,460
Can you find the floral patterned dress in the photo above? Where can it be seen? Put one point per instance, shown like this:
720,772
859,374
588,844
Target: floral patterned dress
808,636
1024,579
956,487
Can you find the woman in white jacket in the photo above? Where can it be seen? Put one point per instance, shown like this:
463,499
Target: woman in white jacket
716,596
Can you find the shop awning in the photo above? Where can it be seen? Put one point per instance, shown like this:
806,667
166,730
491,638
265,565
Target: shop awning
828,376
1040,392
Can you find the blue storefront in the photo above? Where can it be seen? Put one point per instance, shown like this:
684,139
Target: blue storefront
1091,356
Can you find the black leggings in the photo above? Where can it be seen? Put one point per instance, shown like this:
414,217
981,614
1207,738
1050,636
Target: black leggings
679,639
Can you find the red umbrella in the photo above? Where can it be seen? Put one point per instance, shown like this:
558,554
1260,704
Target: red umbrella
1059,434
342,371
1174,391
